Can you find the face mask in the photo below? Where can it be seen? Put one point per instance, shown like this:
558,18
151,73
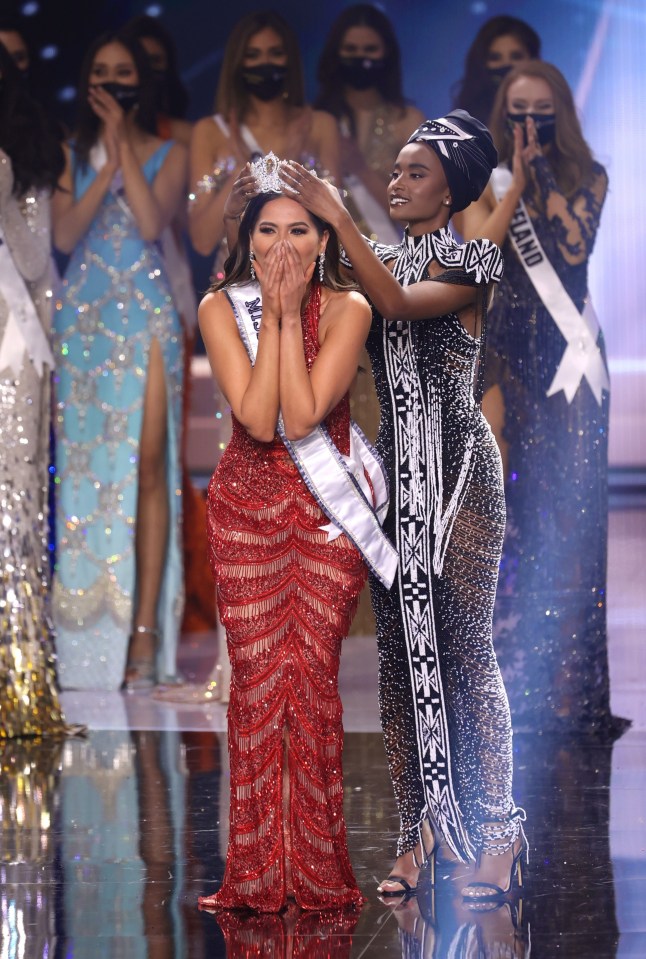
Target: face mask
545,124
361,73
266,81
127,96
498,74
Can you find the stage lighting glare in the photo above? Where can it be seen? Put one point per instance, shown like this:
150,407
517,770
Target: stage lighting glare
49,52
154,10
29,9
65,94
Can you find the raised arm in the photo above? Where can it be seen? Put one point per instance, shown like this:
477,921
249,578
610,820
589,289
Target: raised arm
251,391
306,398
72,218
394,302
211,176
487,218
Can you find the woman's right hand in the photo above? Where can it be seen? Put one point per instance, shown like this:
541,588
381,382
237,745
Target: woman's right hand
316,195
244,189
270,276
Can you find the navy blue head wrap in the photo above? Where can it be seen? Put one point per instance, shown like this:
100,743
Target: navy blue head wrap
466,152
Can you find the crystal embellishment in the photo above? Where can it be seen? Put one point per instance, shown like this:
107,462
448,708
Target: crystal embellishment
266,170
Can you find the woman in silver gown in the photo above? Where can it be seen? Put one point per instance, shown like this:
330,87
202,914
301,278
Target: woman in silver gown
30,161
444,709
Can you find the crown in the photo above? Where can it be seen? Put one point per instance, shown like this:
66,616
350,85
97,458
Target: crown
266,170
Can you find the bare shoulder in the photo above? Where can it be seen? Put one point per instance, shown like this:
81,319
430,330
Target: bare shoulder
346,303
181,131
206,132
323,123
213,307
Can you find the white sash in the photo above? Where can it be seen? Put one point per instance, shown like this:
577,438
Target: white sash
337,483
582,357
24,331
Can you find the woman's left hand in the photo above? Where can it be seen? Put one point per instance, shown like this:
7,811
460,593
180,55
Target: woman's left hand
293,283
317,196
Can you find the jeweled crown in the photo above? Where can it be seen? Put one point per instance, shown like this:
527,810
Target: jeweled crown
266,171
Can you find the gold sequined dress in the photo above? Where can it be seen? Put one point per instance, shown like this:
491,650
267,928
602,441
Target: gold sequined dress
29,703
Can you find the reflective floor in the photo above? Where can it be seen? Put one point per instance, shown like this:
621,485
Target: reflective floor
106,842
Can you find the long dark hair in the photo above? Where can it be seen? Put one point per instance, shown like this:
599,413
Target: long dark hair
174,98
476,91
389,83
231,96
570,155
87,122
29,138
237,268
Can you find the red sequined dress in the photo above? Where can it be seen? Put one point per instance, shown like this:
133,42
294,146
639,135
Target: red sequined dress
286,597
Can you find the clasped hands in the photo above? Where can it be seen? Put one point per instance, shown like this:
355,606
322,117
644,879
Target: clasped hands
112,116
283,282
524,153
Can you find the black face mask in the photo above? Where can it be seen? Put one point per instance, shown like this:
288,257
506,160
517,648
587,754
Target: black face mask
545,124
266,81
361,73
127,96
498,74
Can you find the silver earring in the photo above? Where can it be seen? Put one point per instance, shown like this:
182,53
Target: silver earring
252,257
447,203
322,265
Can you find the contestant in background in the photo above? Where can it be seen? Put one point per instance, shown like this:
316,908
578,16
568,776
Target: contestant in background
500,44
443,706
31,161
284,332
260,107
547,399
119,341
360,84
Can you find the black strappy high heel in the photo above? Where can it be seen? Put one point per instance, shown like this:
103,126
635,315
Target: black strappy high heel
429,860
491,892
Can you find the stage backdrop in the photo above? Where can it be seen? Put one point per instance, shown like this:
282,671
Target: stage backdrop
598,44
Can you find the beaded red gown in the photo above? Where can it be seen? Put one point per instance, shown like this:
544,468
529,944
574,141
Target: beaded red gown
286,597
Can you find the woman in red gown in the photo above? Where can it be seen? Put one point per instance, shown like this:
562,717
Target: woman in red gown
288,580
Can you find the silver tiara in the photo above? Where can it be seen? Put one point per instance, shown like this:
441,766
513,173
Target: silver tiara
266,171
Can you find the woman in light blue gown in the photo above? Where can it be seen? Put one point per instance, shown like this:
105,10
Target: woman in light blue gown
119,347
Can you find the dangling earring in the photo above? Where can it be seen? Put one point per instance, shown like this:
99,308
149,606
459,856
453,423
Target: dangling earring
322,265
252,257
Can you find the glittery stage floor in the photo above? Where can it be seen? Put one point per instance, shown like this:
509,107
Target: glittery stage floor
106,842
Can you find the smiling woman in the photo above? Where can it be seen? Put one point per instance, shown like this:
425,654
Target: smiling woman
443,706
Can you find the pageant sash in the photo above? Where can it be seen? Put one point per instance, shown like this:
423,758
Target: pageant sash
582,357
23,332
337,483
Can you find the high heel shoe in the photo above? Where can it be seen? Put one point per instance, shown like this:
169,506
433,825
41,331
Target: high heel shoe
428,861
141,673
490,892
